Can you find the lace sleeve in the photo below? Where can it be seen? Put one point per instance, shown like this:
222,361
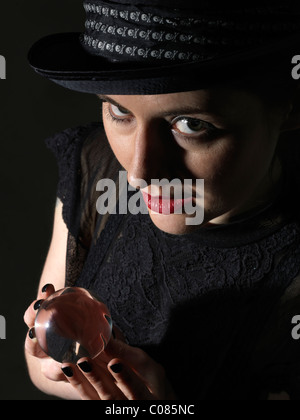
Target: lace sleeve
84,157
66,147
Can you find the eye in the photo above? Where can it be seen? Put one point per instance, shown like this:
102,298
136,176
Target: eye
118,112
189,126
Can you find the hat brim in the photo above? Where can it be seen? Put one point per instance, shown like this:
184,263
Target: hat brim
62,59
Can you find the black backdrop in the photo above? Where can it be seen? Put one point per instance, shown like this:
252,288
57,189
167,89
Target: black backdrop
31,109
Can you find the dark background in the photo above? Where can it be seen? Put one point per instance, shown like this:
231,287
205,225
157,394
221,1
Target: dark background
31,109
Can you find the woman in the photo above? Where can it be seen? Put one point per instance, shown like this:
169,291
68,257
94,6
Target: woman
190,92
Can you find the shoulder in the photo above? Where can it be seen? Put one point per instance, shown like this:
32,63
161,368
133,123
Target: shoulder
65,141
83,155
80,152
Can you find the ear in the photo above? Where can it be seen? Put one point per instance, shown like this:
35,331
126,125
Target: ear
292,121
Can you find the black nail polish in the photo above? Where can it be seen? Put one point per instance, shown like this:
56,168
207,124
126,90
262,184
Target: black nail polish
117,368
67,371
108,319
85,367
31,334
44,289
38,304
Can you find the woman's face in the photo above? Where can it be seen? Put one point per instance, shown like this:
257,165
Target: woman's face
225,137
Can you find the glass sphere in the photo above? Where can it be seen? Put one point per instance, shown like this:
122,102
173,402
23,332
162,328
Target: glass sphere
73,323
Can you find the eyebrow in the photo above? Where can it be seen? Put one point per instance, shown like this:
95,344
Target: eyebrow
187,110
104,98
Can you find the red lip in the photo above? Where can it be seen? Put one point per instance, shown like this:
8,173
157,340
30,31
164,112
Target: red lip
165,206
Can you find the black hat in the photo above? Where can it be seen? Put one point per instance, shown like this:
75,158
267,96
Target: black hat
164,46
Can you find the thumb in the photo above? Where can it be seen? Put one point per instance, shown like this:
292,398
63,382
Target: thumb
132,356
117,348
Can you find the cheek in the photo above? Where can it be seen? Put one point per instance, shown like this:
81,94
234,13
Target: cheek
211,164
234,170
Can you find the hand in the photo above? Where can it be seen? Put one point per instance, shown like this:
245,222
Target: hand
49,367
121,372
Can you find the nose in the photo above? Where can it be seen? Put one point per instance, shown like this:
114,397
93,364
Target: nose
152,150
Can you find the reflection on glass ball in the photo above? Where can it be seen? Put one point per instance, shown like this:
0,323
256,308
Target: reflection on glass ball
72,323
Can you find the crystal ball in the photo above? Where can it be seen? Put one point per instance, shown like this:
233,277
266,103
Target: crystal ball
73,323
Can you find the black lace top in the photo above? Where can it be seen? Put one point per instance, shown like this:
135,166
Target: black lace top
214,307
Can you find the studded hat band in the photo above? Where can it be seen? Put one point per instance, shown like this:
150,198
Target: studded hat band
122,32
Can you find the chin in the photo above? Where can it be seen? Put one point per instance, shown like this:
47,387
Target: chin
174,224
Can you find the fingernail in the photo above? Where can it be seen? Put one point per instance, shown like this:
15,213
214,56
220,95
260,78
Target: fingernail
38,304
85,367
67,371
113,333
44,289
108,319
31,334
117,368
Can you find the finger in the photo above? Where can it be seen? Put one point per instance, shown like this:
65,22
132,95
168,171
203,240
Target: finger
117,334
52,370
134,356
29,316
32,346
79,382
101,380
46,291
49,367
129,382
112,348
30,313
147,369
